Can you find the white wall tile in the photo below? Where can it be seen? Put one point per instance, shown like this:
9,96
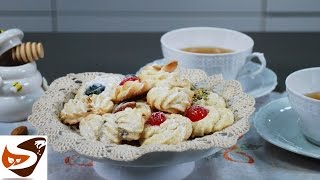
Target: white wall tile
293,5
27,23
293,24
161,5
152,24
25,5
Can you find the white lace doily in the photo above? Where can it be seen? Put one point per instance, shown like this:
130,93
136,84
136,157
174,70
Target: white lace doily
46,120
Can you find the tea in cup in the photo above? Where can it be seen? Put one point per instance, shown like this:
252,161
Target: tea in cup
214,50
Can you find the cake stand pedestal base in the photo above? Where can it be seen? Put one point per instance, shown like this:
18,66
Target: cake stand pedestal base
112,172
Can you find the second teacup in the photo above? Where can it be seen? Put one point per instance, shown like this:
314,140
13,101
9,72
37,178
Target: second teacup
299,84
239,50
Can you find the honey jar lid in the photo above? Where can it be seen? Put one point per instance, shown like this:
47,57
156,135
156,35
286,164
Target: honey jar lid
9,39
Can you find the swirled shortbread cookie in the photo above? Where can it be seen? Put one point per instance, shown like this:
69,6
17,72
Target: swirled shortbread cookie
166,129
207,98
128,88
139,106
93,97
208,119
226,119
170,99
110,130
153,74
131,120
90,126
130,124
203,119
73,110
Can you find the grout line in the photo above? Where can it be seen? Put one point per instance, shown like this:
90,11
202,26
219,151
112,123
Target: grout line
54,16
54,13
155,13
293,14
24,13
264,15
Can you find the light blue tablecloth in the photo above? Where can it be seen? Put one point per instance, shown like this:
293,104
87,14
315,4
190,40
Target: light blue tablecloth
251,158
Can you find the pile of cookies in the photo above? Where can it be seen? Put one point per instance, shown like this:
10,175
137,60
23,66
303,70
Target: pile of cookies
155,106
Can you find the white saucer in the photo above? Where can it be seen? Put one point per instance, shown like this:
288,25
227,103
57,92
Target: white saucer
262,84
259,86
277,123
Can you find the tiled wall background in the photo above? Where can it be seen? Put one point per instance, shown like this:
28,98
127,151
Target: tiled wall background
159,15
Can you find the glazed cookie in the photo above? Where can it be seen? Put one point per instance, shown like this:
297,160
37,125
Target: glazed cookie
109,130
128,88
73,110
168,99
207,98
166,129
90,126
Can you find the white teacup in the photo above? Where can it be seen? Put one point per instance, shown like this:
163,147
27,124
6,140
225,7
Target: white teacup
227,64
298,84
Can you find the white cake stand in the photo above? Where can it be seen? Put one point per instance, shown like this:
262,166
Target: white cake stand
112,172
152,166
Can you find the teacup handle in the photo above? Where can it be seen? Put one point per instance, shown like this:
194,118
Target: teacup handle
262,60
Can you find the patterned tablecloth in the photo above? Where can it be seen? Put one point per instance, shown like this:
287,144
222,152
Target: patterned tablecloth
251,158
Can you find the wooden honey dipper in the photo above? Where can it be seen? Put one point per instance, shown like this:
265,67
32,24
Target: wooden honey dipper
27,52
